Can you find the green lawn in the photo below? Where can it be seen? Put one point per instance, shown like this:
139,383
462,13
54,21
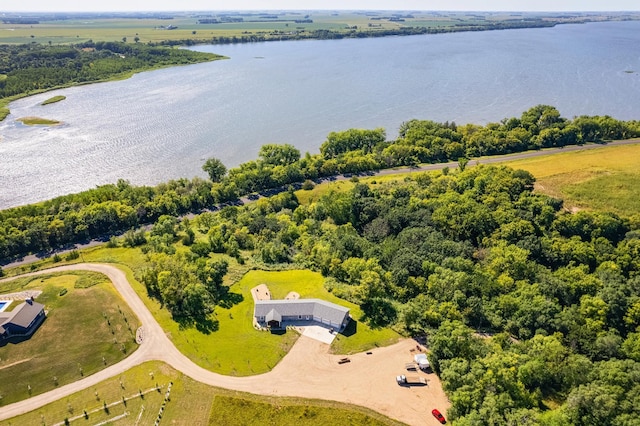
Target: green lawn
311,285
236,348
87,329
190,404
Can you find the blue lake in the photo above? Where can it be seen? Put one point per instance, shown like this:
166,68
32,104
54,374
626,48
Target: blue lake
163,124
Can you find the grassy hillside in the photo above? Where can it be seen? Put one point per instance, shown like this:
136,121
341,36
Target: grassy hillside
137,397
88,327
599,179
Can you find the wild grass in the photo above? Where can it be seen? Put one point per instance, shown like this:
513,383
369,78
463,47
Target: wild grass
37,121
53,100
225,409
190,403
87,328
606,178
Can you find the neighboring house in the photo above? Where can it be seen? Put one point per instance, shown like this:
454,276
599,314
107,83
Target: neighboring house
273,313
22,321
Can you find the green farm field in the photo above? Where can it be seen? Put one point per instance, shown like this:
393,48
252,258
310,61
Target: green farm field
185,26
88,327
153,30
137,396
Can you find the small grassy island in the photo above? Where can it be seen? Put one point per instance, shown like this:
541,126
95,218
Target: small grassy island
37,121
54,100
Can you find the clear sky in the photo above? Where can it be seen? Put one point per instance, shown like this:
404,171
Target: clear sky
184,5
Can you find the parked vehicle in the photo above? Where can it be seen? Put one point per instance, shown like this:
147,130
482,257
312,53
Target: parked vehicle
438,415
410,380
422,361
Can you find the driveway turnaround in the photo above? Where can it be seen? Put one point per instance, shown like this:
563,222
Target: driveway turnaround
307,371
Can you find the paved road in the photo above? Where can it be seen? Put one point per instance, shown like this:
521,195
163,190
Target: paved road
308,370
425,167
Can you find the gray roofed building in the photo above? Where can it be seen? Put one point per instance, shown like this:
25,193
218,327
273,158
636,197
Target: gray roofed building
22,321
274,312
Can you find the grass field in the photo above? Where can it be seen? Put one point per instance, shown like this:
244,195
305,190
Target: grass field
88,327
236,348
606,178
190,404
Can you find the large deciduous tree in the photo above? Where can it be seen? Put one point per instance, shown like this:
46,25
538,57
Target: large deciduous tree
215,169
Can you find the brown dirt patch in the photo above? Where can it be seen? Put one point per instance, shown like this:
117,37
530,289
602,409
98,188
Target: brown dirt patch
261,292
368,380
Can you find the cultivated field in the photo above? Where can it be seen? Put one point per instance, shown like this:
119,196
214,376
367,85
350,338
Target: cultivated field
156,27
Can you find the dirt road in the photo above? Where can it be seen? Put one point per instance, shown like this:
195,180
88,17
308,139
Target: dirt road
308,370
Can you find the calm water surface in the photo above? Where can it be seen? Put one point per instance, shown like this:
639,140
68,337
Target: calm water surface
163,124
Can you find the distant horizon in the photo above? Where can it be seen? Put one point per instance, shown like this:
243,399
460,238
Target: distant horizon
128,6
314,10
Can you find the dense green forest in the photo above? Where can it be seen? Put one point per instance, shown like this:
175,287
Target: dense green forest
449,255
31,68
114,208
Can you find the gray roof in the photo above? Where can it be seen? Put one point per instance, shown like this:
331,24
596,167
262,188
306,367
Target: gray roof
23,314
273,315
311,307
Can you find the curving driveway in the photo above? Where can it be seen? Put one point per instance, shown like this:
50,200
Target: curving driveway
308,370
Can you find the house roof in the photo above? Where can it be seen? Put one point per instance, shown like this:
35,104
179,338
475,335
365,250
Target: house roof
311,307
273,315
23,314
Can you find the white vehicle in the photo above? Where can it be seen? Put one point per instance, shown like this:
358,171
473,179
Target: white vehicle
410,380
422,361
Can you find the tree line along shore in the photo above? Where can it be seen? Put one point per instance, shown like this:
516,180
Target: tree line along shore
115,208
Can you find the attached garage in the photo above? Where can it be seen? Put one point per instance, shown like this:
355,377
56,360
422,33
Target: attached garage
275,313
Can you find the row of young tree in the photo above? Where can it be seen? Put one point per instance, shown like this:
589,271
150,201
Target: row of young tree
555,295
111,209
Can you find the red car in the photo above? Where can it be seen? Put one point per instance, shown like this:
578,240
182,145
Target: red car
438,415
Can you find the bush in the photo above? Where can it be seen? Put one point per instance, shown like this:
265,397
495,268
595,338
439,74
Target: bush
72,255
308,185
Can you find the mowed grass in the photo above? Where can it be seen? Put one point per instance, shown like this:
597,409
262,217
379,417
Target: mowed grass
87,329
236,348
190,403
606,178
311,285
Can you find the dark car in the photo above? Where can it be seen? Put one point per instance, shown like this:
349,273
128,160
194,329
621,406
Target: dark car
438,415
